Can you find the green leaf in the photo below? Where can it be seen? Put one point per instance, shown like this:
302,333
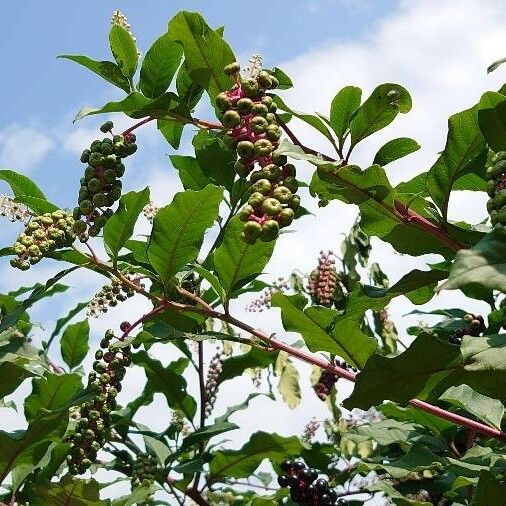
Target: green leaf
69,491
378,111
120,226
395,149
322,331
21,186
492,121
51,393
168,381
61,322
343,106
191,175
288,384
179,228
124,50
428,368
483,265
482,407
105,69
489,492
205,51
236,262
74,343
262,445
464,154
159,66
284,81
140,495
235,366
206,433
172,130
212,279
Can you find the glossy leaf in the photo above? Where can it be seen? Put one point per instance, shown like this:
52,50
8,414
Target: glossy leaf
343,106
124,50
395,149
191,175
205,51
21,185
262,445
61,322
179,228
74,343
379,110
236,262
120,226
206,433
68,491
172,130
492,120
254,358
105,69
490,411
159,66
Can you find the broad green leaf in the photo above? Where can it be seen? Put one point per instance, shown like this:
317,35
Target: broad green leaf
105,69
61,322
168,381
206,433
74,343
172,130
51,393
490,491
124,50
135,105
310,119
236,262
385,432
284,81
483,265
159,66
322,331
235,366
21,186
379,110
120,226
69,491
191,175
205,51
491,411
343,106
395,149
38,206
464,154
428,368
288,384
394,495
262,445
139,495
179,228
212,279
238,407
492,120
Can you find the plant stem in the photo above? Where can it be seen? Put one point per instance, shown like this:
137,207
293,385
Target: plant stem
202,389
137,125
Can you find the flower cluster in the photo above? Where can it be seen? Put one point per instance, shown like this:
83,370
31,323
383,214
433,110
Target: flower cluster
264,300
475,326
119,19
42,235
93,423
253,130
13,210
101,184
496,189
324,280
310,430
149,211
305,486
109,296
211,386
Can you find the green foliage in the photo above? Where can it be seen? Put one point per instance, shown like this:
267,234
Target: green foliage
395,149
74,343
124,50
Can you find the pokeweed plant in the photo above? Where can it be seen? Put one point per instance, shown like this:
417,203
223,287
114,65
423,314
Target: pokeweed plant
427,419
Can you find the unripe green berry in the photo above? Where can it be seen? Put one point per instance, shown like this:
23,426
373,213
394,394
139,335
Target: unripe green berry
291,183
223,102
271,206
250,87
274,83
259,124
262,186
106,127
270,230
85,155
232,68
264,79
246,212
271,172
294,202
285,217
273,133
244,105
263,147
242,169
245,149
231,119
283,194
259,109
252,229
256,199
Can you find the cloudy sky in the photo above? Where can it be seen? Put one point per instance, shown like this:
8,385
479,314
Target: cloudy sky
438,50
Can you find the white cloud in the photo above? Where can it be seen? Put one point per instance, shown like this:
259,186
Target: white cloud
22,147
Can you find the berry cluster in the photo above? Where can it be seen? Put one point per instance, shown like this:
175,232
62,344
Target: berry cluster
328,379
144,471
13,210
109,296
42,235
310,430
475,327
324,280
211,386
496,189
264,300
305,486
94,416
101,186
249,115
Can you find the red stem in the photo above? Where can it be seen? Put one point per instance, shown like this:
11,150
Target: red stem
137,125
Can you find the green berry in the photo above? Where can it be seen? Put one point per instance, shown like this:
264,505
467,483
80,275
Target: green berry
271,206
291,183
263,147
250,87
274,82
106,127
256,199
232,68
80,227
273,133
271,172
264,79
244,105
242,169
246,212
259,109
246,149
223,102
259,124
100,199
85,155
294,202
252,229
279,159
231,119
285,217
283,194
270,231
262,186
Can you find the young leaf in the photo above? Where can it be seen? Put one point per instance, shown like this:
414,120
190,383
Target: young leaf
159,66
105,69
51,393
490,411
179,228
484,264
236,262
395,149
343,106
379,110
205,51
74,343
124,50
120,225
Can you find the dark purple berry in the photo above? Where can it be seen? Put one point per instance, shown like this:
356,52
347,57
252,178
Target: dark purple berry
299,466
286,465
283,480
